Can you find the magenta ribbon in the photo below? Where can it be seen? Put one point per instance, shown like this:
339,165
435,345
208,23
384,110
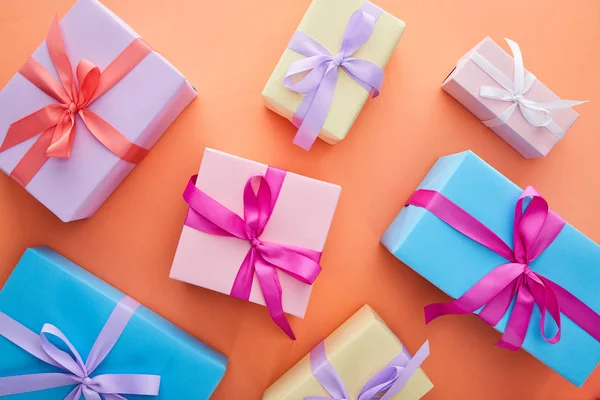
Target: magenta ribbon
383,386
321,72
534,230
207,215
110,386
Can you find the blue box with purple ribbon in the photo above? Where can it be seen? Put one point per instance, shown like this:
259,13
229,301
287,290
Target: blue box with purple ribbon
124,348
455,263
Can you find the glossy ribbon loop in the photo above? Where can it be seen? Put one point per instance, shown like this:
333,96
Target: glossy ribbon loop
384,385
78,373
56,122
263,258
316,75
537,114
535,228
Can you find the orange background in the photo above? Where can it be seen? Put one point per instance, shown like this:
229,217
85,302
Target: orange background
228,49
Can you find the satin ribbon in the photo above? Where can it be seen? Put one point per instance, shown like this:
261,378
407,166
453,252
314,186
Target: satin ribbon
320,70
384,385
537,114
108,386
56,122
264,258
534,230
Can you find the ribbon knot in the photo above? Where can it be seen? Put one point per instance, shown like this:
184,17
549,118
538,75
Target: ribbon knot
56,122
73,108
263,259
537,114
338,59
76,372
535,228
316,75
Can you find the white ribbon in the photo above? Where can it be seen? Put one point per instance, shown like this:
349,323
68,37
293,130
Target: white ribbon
537,114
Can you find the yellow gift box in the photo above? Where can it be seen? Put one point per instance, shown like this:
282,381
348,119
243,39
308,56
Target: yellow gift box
358,349
325,21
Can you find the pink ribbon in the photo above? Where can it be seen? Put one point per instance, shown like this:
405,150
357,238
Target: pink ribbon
263,258
534,230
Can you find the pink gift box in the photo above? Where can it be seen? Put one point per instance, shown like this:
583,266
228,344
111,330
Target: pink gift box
464,84
141,107
301,217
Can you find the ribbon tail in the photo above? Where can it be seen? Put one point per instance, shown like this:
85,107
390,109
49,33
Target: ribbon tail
32,125
495,309
242,285
318,110
502,118
271,289
75,394
516,329
478,295
34,382
33,160
112,139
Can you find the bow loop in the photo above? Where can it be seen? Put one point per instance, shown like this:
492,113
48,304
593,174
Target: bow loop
72,361
88,76
257,205
358,31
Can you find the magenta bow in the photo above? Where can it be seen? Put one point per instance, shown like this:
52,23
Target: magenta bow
383,385
321,69
534,230
110,386
263,258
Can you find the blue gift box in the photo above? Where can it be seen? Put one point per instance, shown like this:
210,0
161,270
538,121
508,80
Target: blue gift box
45,287
454,263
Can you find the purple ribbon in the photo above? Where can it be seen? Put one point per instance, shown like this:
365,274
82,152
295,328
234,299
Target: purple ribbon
321,69
110,386
384,385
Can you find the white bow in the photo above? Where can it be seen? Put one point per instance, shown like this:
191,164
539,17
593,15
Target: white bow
537,114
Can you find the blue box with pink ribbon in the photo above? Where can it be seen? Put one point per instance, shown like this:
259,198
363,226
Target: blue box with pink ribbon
65,334
503,254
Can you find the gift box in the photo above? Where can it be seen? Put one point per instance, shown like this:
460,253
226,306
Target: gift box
455,263
300,215
484,81
46,288
95,125
357,350
341,98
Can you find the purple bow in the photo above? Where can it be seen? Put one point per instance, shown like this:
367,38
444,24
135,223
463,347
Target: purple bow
384,385
321,69
110,386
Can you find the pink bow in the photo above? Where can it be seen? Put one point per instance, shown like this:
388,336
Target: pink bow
534,230
263,258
